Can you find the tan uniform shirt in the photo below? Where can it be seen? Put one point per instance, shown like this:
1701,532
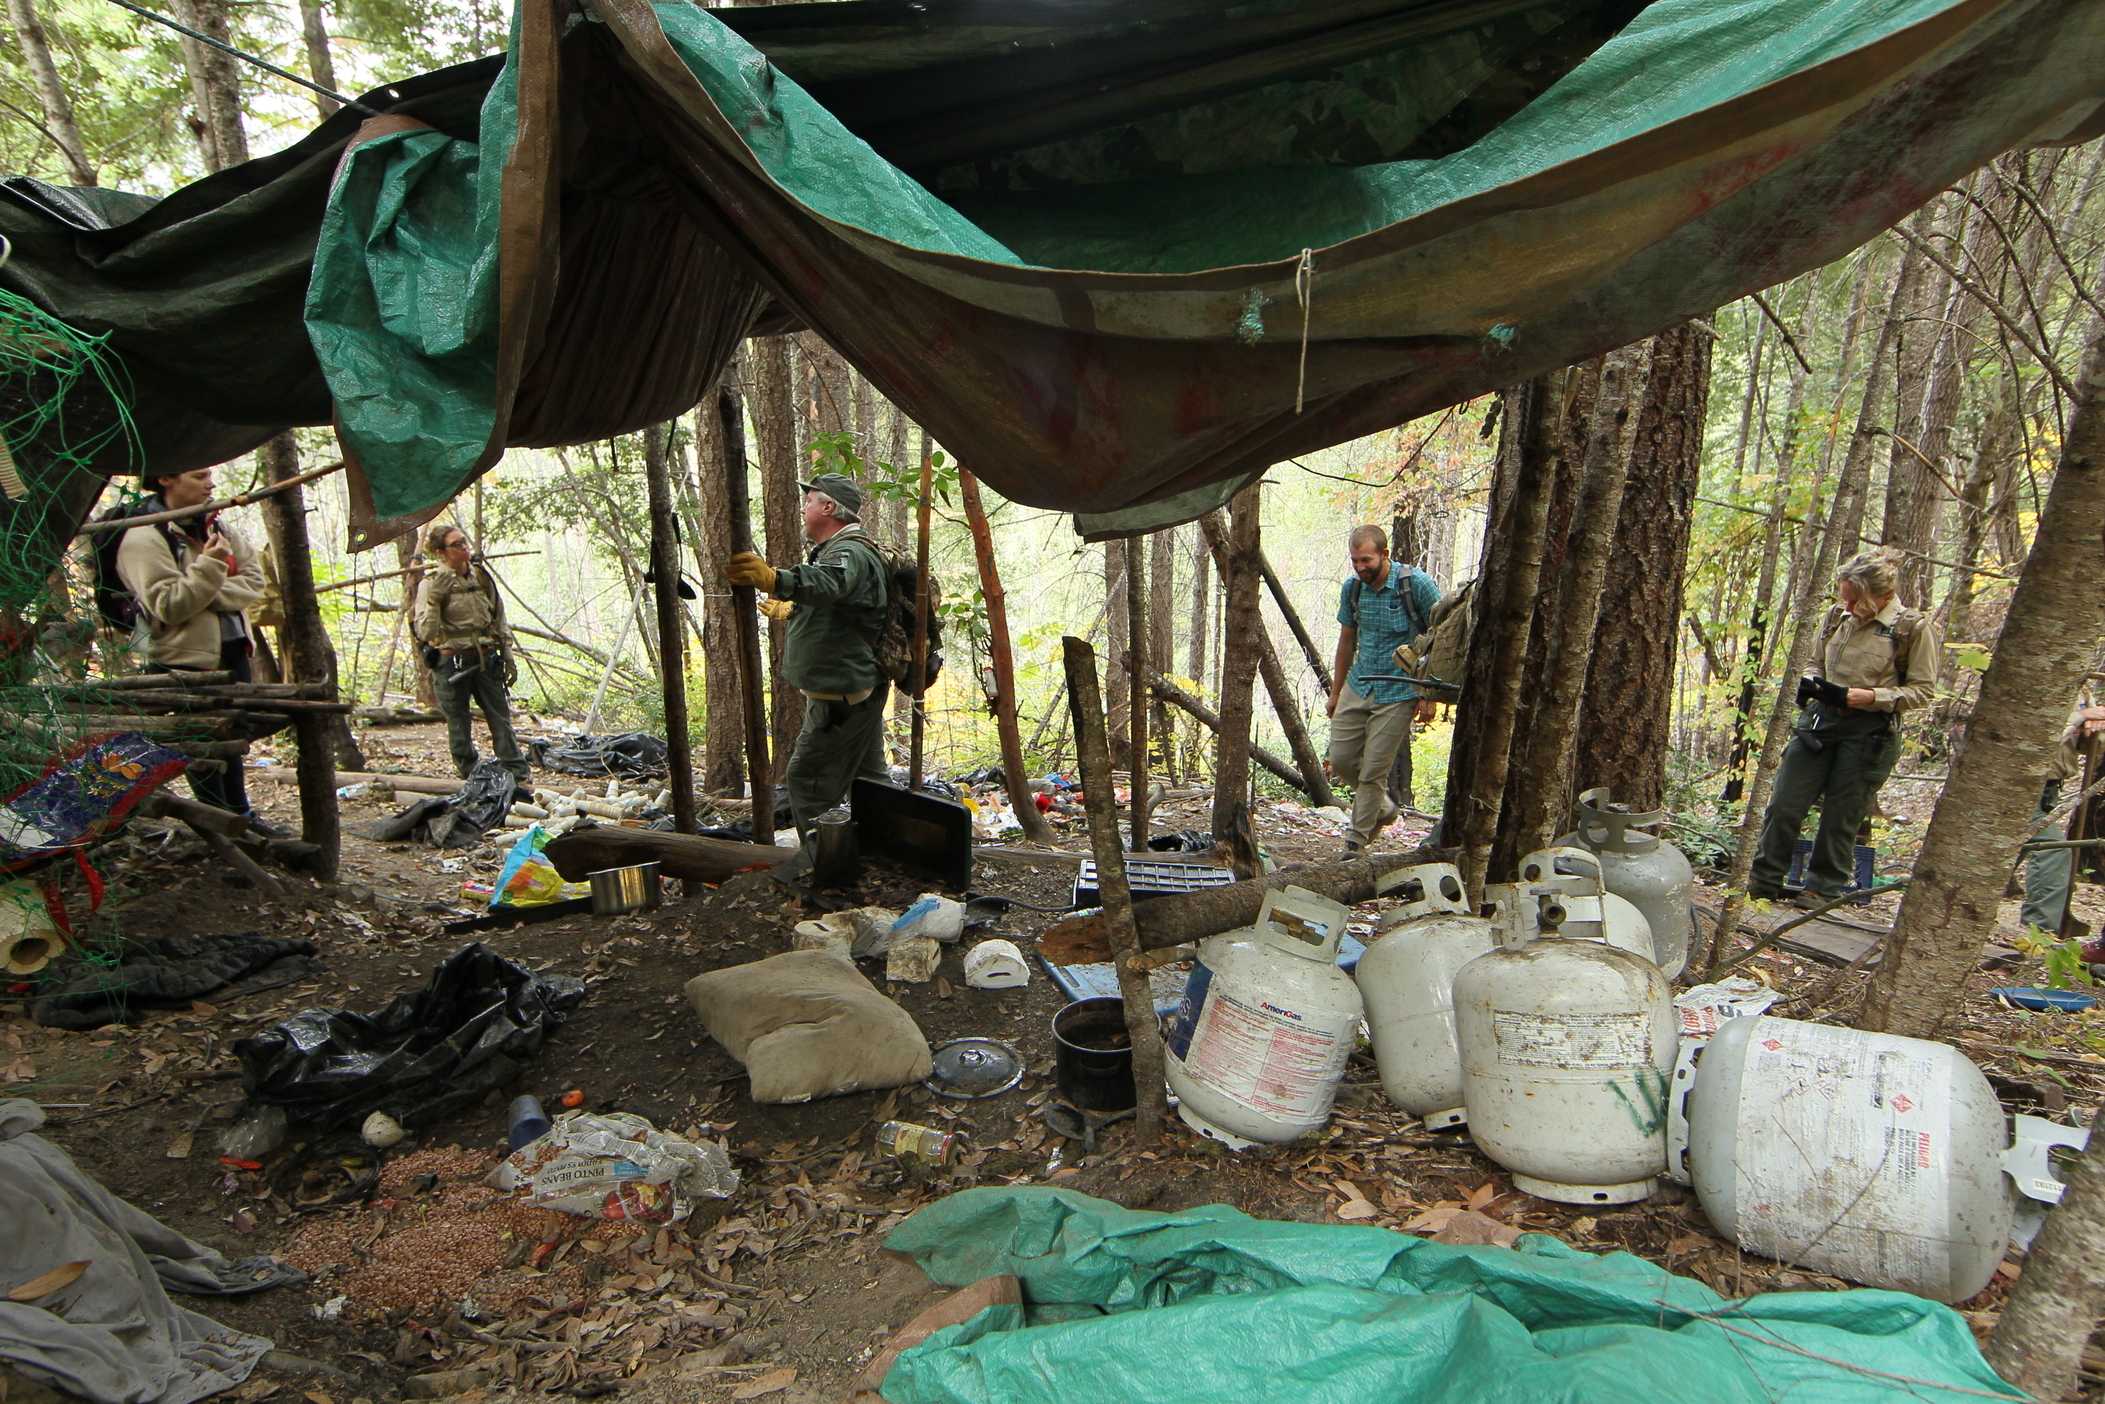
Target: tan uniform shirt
456,611
182,592
1856,653
2069,759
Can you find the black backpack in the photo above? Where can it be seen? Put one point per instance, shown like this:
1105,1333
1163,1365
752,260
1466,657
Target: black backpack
894,643
113,601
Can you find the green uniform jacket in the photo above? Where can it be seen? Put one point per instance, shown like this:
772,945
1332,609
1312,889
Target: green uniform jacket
840,597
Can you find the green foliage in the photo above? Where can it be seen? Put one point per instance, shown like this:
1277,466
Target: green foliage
2062,960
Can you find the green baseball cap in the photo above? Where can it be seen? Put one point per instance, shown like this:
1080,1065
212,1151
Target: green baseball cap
838,486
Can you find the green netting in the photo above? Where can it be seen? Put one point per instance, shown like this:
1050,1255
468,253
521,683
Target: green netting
1210,1304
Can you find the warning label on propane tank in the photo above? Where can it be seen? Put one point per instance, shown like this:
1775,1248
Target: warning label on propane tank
1530,1038
1275,1059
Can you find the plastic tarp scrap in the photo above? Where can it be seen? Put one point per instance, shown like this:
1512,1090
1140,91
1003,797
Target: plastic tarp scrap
112,1333
165,973
458,820
476,1026
1118,259
633,755
1210,1304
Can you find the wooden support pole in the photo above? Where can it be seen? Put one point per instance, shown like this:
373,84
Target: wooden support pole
1231,768
1016,777
1276,686
239,499
672,636
1294,624
311,659
1086,705
1139,659
1191,706
920,678
745,609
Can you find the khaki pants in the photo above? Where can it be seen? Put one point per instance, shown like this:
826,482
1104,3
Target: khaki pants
1364,738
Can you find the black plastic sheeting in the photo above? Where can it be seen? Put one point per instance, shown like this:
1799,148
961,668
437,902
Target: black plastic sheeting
458,820
633,755
167,973
473,1029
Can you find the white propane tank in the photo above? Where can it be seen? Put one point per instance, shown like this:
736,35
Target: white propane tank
1643,869
1867,1156
1407,979
1589,910
1257,1047
1567,1045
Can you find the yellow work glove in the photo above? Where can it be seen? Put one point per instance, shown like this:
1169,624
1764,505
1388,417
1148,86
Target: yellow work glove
777,610
745,568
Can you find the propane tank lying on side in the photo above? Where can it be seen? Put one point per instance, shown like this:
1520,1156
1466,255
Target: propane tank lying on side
1567,1044
1643,869
1591,911
1868,1156
1407,979
1258,1046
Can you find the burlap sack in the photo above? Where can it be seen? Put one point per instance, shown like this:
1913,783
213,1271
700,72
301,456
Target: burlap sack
808,1025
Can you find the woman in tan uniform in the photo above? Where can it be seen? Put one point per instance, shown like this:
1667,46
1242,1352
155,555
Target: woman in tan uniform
1876,658
460,618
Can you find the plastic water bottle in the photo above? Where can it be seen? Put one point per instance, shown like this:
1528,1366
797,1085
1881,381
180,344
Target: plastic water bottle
528,1122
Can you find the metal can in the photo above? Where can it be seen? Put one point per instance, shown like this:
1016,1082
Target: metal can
925,1144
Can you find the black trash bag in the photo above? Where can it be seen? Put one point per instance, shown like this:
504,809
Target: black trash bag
474,1027
633,755
458,820
166,973
1183,841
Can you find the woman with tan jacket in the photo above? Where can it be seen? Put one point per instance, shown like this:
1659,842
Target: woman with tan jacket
194,580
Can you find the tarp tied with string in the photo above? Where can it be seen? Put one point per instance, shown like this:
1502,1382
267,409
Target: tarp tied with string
1119,259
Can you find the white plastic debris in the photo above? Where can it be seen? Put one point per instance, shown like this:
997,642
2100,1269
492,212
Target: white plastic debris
913,959
996,965
616,1165
1703,1008
932,915
1333,815
381,1131
333,1309
828,933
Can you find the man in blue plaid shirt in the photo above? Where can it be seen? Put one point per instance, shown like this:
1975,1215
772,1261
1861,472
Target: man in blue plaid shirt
1384,604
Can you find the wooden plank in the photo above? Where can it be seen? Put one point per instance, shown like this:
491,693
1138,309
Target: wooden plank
585,851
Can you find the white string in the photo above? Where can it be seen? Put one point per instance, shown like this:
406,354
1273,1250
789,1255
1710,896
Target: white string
1304,293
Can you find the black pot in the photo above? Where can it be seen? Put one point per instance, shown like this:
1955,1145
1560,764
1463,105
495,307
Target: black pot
1093,1054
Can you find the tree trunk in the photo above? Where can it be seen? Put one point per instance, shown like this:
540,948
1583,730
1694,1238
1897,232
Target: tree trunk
1117,623
51,91
745,615
1544,790
1144,1032
2049,1316
1231,766
1201,607
1988,802
1205,716
1015,774
1162,640
775,422
1138,662
1294,624
672,632
216,81
311,659
1624,719
722,759
1276,684
320,67
1498,653
865,396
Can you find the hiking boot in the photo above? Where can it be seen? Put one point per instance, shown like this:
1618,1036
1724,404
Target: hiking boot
1390,812
260,825
1807,900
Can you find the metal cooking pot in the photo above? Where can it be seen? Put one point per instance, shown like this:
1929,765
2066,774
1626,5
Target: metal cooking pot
618,890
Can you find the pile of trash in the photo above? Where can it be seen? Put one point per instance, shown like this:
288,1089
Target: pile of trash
633,755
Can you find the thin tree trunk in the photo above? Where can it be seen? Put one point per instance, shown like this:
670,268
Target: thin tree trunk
1205,716
1117,623
216,80
745,615
1231,765
923,502
1294,624
314,32
1544,792
1139,660
2048,1318
1623,721
723,737
1201,607
775,423
1531,425
865,396
1991,795
51,90
1143,1030
1162,640
1015,775
672,633
1276,684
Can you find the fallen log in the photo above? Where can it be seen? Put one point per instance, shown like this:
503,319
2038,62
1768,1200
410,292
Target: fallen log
1208,718
1179,918
407,784
582,852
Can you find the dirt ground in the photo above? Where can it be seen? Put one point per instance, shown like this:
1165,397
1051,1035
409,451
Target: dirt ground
782,1292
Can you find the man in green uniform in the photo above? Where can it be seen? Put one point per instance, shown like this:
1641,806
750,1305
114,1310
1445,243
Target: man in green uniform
1876,658
835,603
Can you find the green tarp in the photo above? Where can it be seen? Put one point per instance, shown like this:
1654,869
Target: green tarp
1209,1304
1118,259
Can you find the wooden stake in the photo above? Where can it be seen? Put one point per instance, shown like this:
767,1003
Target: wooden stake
1294,624
1035,829
1086,705
920,680
239,499
745,608
672,636
312,659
